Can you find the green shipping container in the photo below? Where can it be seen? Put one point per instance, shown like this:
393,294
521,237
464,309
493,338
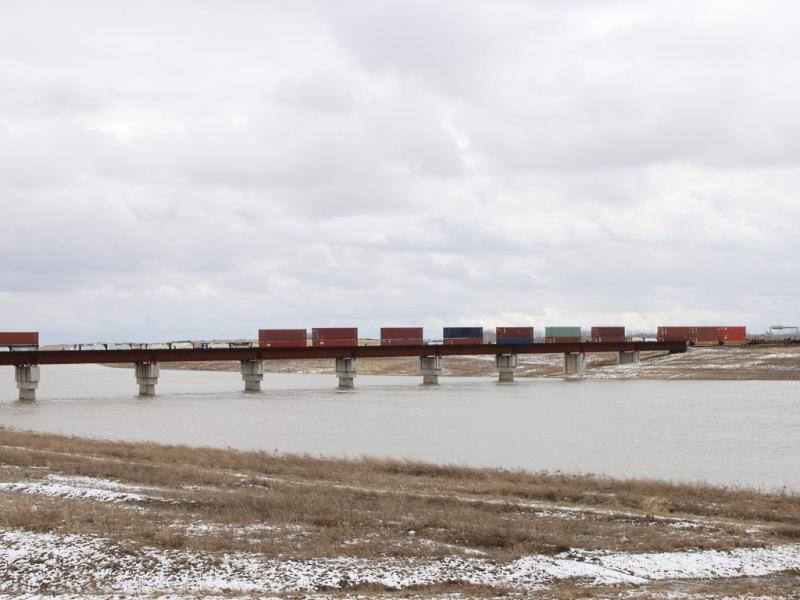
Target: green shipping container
562,332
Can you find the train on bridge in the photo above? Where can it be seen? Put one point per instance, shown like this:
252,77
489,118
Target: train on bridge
410,336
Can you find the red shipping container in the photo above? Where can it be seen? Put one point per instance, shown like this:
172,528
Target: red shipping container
675,334
19,338
705,336
334,336
733,336
562,340
401,336
608,334
462,341
733,332
281,338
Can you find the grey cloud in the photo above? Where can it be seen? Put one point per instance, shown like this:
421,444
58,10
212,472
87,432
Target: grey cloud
188,170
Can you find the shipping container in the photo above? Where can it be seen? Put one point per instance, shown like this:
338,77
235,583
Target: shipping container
281,338
562,340
401,336
463,341
675,334
462,332
733,335
19,338
608,334
705,336
562,334
334,336
514,335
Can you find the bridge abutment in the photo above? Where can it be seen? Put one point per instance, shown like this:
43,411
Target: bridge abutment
147,378
431,367
27,377
346,371
252,374
506,367
574,363
629,358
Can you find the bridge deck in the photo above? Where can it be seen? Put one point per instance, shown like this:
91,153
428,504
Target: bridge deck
63,357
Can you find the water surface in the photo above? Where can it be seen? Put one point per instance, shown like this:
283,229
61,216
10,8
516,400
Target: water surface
728,432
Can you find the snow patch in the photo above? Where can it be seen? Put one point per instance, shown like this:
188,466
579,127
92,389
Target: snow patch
46,561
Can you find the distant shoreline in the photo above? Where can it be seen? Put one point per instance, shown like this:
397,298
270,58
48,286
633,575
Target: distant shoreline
766,362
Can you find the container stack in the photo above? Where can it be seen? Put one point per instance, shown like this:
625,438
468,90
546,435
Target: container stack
514,335
675,334
281,338
401,336
733,336
608,334
334,336
705,336
564,335
452,336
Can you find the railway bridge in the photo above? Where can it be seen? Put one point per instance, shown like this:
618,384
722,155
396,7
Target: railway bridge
147,360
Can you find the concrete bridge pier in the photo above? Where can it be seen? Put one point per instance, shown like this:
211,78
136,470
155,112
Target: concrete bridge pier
506,366
574,363
147,378
252,374
629,358
346,371
27,377
431,367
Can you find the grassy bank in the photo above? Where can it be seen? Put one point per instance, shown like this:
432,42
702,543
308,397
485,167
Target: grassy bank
300,507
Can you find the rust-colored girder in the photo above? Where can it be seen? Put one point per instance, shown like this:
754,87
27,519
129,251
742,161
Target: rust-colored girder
66,357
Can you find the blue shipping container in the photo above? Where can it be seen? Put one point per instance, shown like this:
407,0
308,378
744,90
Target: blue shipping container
462,332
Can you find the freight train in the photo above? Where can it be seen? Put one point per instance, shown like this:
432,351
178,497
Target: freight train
410,336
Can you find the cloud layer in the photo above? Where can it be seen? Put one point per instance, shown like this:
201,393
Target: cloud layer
189,169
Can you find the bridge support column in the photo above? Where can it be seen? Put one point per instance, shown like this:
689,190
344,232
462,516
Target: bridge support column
346,371
431,367
506,366
629,358
27,377
147,378
252,374
574,363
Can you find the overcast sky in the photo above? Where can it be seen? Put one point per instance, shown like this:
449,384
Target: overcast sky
174,170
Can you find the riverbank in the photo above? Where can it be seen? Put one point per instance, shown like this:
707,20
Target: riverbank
781,362
94,517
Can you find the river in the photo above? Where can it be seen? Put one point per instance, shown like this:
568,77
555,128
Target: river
743,433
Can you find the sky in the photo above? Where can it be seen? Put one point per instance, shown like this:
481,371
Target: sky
195,169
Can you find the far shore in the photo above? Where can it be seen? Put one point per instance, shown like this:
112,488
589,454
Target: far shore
768,362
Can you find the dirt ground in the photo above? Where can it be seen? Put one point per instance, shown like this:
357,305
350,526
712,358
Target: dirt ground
752,362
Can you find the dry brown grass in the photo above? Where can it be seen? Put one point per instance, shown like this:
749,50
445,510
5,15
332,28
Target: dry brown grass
369,507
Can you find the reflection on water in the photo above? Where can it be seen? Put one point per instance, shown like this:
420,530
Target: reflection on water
731,432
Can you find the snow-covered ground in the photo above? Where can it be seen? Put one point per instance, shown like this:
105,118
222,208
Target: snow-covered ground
33,562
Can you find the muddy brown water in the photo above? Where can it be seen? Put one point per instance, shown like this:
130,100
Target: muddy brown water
725,432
